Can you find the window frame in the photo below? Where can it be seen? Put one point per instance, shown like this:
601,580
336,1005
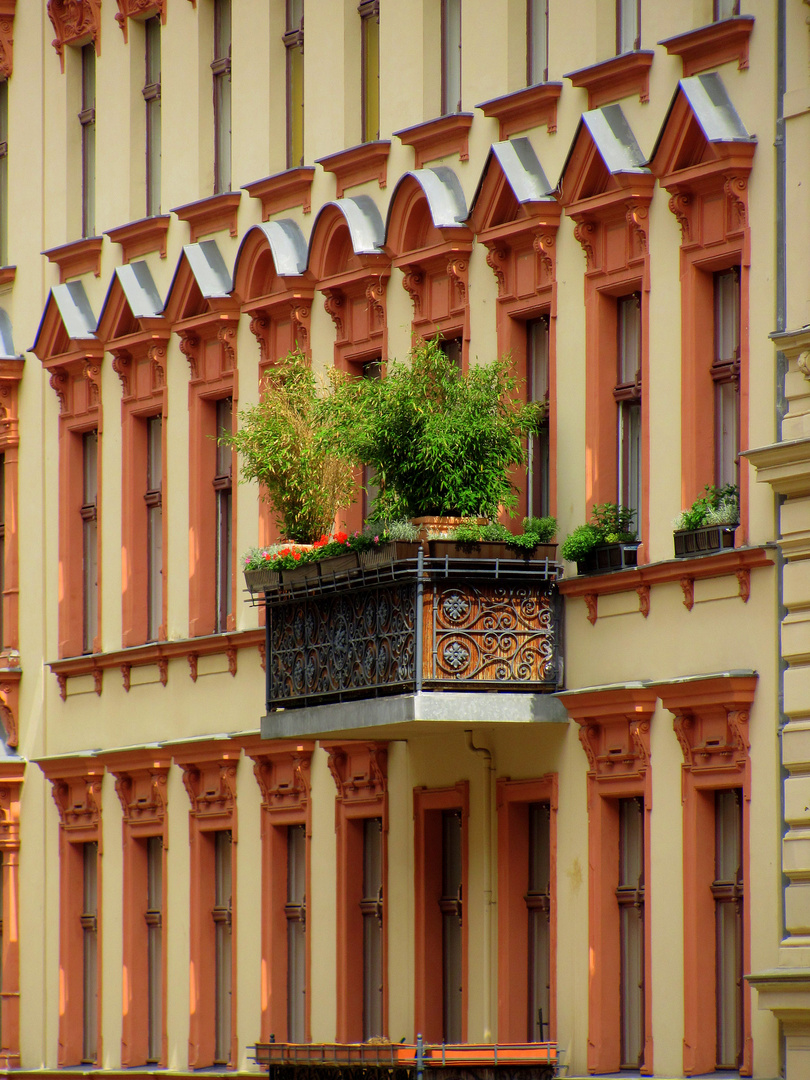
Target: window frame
293,39
4,91
369,12
221,87
623,6
87,127
536,10
152,102
451,43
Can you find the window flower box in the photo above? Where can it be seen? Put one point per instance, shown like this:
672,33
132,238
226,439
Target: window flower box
605,558
703,541
396,551
305,572
489,549
337,566
259,580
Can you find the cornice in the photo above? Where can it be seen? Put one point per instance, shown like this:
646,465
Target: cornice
141,237
369,161
439,138
214,214
710,46
283,191
619,77
77,258
522,110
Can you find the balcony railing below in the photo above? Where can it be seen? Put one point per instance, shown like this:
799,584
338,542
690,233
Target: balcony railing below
413,625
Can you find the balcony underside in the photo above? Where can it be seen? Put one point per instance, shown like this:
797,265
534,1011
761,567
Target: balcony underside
390,643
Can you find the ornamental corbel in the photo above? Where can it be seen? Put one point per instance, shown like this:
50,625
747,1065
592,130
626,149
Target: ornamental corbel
60,383
680,204
75,22
496,261
736,190
226,336
375,297
333,306
157,359
457,270
636,218
544,245
190,348
260,328
6,38
413,281
283,776
122,366
134,9
585,235
299,316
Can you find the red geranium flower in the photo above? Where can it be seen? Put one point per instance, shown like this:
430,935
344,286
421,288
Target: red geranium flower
341,537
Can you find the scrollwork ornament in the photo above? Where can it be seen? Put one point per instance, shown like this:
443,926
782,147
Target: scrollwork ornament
680,205
688,587
413,281
157,358
333,306
226,336
585,235
122,366
543,245
190,348
636,218
735,189
299,315
60,383
496,261
6,46
74,22
260,328
375,297
457,272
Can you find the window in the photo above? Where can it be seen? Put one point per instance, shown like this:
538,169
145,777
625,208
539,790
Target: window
538,390
151,95
221,68
223,493
89,927
371,908
4,172
2,548
630,897
628,25
89,516
728,891
153,918
296,913
451,56
450,905
370,73
452,349
725,9
223,962
294,43
538,907
87,120
726,377
627,394
536,41
154,525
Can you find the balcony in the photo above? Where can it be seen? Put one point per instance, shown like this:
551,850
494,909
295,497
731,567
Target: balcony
408,1061
411,627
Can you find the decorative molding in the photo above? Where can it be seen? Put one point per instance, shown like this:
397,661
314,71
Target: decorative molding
457,270
375,295
209,777
680,205
260,328
333,305
283,191
134,9
190,348
213,214
413,281
122,366
369,161
531,107
711,719
544,245
619,77
282,771
141,237
360,770
644,599
300,311
76,790
75,22
688,587
614,729
77,258
438,138
7,8
226,336
585,235
7,275
710,46
592,603
10,704
140,783
496,261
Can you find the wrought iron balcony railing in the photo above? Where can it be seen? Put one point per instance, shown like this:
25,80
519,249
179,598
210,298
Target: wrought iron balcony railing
407,625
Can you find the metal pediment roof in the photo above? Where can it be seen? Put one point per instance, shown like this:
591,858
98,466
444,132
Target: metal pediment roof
75,311
209,268
287,246
139,289
445,198
522,169
719,120
6,343
364,221
614,140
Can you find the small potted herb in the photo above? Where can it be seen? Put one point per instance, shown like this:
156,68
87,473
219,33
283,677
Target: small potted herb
709,524
607,542
393,542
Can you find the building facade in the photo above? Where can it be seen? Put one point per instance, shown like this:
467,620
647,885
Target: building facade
609,193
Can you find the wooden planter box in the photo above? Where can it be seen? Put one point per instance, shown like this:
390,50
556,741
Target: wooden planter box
703,541
259,580
608,557
305,572
389,553
489,549
337,566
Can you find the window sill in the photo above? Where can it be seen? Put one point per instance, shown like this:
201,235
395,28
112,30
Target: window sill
283,191
358,165
156,654
738,562
141,237
77,258
531,107
710,46
214,214
616,78
438,138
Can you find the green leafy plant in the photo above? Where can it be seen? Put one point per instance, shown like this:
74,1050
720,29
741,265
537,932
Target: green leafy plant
544,528
718,506
535,531
440,442
609,524
287,444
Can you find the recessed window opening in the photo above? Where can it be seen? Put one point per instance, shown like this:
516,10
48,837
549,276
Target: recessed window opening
536,42
728,892
296,913
89,516
221,68
294,44
89,926
223,492
627,394
151,96
628,25
630,897
538,907
450,906
538,390
370,72
154,946
154,525
87,120
371,907
726,376
451,56
221,914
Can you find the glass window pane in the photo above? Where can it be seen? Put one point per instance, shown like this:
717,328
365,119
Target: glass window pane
536,41
371,907
627,25
87,120
222,933
371,74
3,173
151,93
630,897
538,907
451,908
89,924
296,934
294,41
154,931
451,56
628,311
537,390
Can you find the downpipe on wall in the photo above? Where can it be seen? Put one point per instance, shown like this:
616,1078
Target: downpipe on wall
489,791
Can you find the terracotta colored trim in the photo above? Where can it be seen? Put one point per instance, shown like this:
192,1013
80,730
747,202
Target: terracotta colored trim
712,45
360,774
438,138
7,275
158,654
139,9
11,372
11,779
76,258
282,770
615,734
141,237
283,191
512,799
369,161
711,722
619,77
428,803
213,214
76,789
75,22
209,776
522,110
140,782
10,704
7,8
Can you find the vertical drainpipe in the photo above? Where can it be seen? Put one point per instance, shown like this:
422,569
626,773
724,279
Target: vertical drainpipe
486,974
